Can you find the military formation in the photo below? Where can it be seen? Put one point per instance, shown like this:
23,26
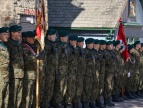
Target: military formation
68,73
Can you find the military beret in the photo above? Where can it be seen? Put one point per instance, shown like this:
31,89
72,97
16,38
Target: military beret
51,32
89,40
73,37
109,42
4,30
63,33
137,42
102,42
141,44
130,47
116,43
96,41
80,39
29,34
15,28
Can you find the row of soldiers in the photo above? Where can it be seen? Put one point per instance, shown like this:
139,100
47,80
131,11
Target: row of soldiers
68,73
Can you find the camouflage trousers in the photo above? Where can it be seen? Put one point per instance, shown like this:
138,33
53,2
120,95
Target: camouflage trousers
60,87
141,79
108,84
49,86
117,85
87,88
95,89
4,89
78,89
70,92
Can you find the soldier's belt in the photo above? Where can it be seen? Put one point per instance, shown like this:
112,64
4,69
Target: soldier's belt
3,69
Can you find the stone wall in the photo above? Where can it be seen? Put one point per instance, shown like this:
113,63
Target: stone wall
6,12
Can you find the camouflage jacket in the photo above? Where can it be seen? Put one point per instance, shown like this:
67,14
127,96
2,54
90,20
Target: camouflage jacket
16,58
90,62
137,64
110,62
4,58
97,59
29,62
141,59
81,64
51,53
118,62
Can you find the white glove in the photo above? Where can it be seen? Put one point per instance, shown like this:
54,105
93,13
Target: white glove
129,74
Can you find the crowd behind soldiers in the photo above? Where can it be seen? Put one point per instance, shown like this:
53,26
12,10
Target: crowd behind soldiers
68,73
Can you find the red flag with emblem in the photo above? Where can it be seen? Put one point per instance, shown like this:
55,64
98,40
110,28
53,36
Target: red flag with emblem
121,36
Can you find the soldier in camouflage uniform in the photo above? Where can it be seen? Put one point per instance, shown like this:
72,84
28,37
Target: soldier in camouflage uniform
118,73
95,84
81,66
109,74
29,53
61,74
141,68
102,52
4,68
88,76
72,70
130,73
16,65
52,63
137,46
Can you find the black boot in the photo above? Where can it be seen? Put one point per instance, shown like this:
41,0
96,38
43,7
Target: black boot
99,104
67,106
139,94
134,94
92,105
115,98
130,96
85,105
75,105
120,98
107,102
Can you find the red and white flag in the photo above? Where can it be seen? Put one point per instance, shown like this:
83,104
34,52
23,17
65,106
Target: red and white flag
40,20
121,36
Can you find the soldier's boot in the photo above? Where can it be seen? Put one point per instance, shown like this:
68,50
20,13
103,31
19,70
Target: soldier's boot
68,106
75,105
139,94
130,96
85,105
92,105
111,102
125,96
106,102
99,104
120,98
115,98
134,95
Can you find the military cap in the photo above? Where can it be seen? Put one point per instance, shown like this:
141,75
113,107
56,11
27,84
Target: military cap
117,42
137,42
102,42
109,42
15,28
89,40
141,44
130,47
51,32
29,34
80,39
96,41
73,37
4,30
63,33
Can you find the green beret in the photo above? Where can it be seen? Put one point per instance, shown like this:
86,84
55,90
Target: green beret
116,43
141,44
23,34
102,42
51,32
73,37
137,42
15,28
80,39
109,42
130,47
89,41
29,34
96,41
63,33
4,30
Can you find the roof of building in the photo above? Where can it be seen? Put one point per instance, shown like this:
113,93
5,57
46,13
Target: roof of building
85,13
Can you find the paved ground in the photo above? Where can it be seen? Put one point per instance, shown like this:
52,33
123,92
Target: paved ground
138,103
